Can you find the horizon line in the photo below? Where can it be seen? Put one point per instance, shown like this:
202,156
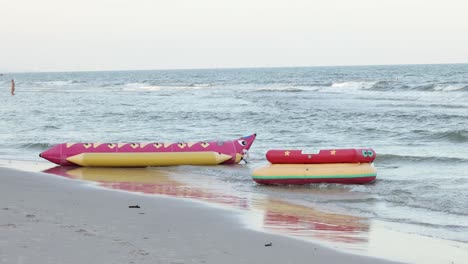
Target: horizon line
235,68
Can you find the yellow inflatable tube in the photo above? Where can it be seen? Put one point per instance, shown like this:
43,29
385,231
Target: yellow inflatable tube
148,159
357,173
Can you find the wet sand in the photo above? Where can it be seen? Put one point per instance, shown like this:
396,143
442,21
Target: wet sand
46,219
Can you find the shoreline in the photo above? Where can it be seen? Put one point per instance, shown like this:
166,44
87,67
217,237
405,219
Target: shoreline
52,220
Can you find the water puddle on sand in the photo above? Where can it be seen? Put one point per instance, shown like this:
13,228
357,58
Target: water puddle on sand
269,213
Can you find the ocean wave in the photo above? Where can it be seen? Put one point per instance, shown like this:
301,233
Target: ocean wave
142,88
392,158
365,200
281,89
312,84
427,195
201,85
145,87
426,224
112,84
388,86
435,87
415,105
449,88
396,85
423,87
50,127
35,146
81,81
352,85
457,136
56,83
440,205
424,135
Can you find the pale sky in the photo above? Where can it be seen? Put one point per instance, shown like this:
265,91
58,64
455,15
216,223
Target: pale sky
77,35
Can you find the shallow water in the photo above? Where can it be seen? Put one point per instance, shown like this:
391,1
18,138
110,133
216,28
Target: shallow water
414,117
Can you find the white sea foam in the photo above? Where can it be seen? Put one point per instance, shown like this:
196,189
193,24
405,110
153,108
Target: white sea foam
280,89
145,87
347,86
53,83
449,88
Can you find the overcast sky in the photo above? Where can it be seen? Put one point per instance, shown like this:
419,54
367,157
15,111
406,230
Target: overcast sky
69,35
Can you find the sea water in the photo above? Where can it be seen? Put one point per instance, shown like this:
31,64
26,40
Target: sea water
414,116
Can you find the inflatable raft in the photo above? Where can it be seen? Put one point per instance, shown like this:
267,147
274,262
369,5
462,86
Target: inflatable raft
285,174
348,166
323,156
149,154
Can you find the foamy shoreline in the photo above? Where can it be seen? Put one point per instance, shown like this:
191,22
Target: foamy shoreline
51,220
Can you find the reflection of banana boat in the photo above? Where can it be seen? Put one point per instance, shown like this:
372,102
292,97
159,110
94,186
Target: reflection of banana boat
354,173
149,154
115,175
145,180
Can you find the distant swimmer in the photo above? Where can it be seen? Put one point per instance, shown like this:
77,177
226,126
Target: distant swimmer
12,87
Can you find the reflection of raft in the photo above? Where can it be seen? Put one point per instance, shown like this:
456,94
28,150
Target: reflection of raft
149,154
301,220
354,173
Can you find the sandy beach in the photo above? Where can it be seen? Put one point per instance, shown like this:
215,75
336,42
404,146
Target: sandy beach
44,219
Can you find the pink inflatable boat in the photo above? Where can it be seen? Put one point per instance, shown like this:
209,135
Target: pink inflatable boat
149,154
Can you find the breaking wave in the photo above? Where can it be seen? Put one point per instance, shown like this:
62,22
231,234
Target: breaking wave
395,85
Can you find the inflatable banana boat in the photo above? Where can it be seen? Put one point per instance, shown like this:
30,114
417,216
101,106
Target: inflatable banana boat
149,154
285,174
323,156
